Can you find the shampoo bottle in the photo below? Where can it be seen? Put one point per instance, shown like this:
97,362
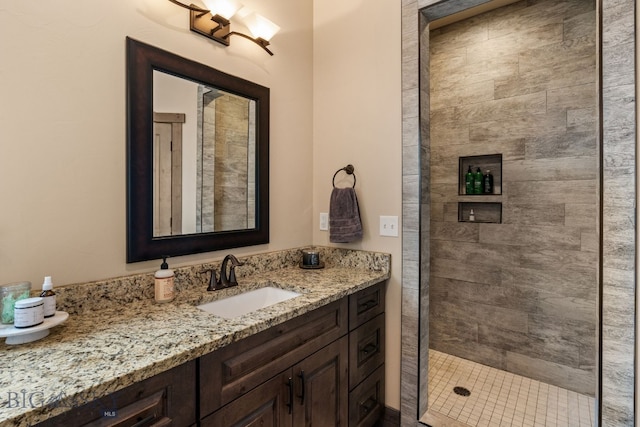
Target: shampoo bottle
487,187
468,181
164,291
477,182
48,297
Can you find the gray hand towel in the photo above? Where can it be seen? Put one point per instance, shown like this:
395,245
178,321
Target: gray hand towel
344,216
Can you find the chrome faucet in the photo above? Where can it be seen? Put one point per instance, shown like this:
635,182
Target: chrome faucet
225,281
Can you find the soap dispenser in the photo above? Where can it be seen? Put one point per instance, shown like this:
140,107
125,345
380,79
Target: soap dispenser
164,290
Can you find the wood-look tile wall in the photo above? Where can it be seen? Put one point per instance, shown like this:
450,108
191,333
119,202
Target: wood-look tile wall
412,352
522,295
226,199
618,70
230,170
619,197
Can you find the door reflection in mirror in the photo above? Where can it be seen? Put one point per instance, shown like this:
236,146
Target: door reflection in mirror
204,158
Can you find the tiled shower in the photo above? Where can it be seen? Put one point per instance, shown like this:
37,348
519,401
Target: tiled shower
517,292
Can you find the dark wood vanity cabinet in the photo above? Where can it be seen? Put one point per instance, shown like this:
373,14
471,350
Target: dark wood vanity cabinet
324,368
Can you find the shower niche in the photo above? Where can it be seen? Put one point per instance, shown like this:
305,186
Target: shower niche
482,207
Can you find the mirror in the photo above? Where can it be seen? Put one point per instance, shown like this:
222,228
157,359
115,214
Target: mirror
197,157
203,158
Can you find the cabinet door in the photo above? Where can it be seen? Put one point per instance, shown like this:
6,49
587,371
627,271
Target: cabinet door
269,405
231,371
321,392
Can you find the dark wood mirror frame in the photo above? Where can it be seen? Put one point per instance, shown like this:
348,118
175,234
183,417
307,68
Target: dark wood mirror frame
142,60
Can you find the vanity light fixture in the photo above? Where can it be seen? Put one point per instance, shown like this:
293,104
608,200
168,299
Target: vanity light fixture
214,22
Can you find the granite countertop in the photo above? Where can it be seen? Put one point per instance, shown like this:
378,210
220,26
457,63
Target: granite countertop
100,350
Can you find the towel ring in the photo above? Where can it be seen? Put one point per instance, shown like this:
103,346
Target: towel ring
349,170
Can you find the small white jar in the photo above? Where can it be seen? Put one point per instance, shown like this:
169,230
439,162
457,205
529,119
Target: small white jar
28,312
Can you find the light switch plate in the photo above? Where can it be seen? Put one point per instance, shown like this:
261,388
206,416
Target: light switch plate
389,226
324,221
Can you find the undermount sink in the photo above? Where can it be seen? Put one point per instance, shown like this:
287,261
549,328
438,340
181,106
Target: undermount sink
241,304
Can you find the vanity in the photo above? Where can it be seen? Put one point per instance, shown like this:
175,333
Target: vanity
121,359
317,358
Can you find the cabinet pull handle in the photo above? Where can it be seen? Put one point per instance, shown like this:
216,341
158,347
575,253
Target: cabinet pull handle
369,348
301,376
367,305
368,404
290,403
144,421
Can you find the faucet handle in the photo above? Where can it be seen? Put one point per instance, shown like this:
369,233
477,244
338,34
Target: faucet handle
213,282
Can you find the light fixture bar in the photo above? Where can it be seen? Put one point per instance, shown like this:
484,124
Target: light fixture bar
192,7
258,40
218,28
211,26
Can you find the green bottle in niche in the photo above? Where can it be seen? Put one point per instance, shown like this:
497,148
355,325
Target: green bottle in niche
468,181
477,182
487,184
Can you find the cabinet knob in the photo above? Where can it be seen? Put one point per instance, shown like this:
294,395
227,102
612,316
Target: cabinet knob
369,348
144,421
367,305
368,405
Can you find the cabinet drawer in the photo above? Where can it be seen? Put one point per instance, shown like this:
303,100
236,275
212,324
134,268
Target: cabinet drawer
366,401
163,400
147,412
366,304
366,350
233,370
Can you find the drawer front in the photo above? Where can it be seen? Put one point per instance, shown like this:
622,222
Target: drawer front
163,400
366,402
147,412
228,373
366,304
366,350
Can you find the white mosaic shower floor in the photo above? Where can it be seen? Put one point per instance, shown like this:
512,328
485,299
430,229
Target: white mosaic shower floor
499,398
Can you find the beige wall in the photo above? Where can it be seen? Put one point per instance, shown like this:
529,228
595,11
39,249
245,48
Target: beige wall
62,115
357,120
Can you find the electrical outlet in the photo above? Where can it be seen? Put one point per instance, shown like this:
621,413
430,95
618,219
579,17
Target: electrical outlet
324,221
389,226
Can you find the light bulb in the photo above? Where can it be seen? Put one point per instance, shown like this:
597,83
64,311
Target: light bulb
260,26
224,8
